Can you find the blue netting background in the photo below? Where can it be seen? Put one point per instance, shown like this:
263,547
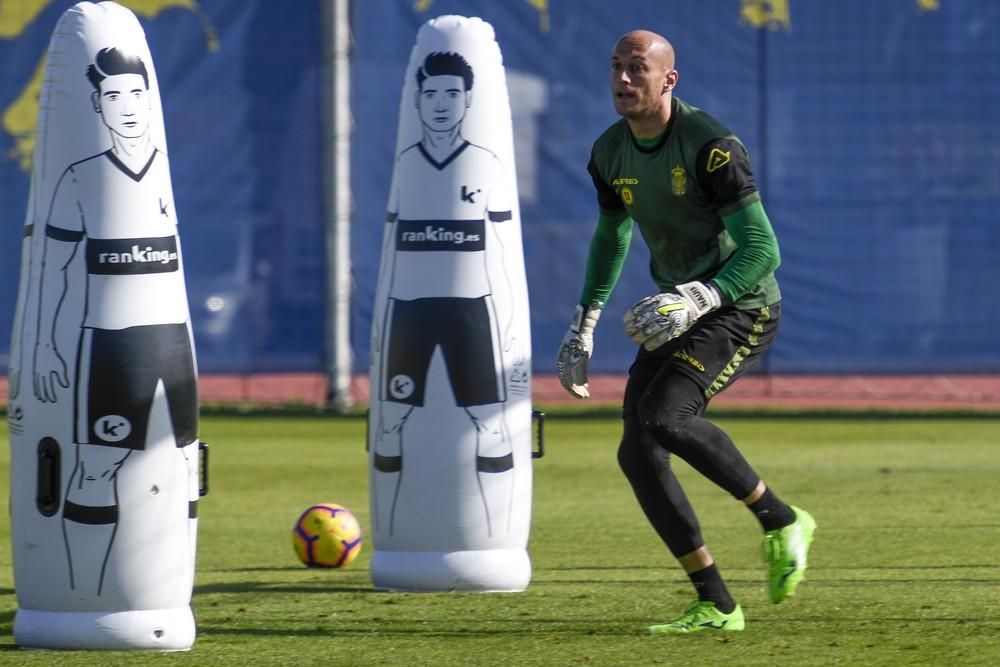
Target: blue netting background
871,126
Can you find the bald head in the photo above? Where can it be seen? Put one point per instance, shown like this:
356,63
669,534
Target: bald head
655,47
642,78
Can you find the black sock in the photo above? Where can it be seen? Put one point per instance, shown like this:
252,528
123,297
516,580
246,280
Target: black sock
771,512
708,582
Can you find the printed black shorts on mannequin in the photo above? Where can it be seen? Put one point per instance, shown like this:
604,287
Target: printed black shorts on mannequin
119,373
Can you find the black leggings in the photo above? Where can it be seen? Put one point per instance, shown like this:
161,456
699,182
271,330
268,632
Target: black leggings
669,421
663,410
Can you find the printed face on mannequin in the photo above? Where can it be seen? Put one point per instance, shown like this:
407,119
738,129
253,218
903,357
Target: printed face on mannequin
442,102
124,105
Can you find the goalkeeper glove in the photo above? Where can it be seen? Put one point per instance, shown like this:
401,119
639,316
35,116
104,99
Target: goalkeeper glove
575,351
661,317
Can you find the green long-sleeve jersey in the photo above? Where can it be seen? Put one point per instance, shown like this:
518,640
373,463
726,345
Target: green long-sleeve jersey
693,197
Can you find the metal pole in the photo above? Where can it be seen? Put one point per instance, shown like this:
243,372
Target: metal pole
337,159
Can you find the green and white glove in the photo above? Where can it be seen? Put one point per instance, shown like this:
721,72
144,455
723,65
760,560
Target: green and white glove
575,351
661,317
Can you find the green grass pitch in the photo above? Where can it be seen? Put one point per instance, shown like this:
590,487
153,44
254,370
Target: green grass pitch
905,569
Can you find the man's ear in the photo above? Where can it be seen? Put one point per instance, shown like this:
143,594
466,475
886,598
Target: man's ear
468,99
95,99
670,81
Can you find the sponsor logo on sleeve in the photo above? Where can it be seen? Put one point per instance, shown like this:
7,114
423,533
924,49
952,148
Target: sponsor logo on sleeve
717,159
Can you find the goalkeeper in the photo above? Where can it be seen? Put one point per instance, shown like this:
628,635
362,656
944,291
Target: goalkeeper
684,179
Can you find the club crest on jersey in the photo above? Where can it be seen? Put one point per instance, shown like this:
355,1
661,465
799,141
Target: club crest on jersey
718,159
678,181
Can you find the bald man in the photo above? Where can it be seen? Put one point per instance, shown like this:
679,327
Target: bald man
684,179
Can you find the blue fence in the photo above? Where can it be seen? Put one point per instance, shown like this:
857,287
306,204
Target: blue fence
871,126
242,102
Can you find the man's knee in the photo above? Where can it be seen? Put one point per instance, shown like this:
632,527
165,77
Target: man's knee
661,419
628,459
666,414
633,457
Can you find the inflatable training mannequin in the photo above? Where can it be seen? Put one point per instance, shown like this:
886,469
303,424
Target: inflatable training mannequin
450,409
103,399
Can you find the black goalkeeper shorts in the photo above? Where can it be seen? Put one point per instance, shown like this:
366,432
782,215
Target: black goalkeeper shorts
719,348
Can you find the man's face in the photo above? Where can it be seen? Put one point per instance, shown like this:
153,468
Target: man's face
442,101
123,103
639,78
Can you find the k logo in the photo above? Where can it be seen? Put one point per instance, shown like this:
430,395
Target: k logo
112,428
401,386
469,195
717,159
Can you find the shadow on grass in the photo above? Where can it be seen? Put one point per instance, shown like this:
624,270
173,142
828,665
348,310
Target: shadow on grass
612,568
293,410
381,628
282,569
270,588
528,627
7,629
956,566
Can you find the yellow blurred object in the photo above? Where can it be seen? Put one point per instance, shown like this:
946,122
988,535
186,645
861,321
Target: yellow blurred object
16,16
150,9
19,119
771,14
540,6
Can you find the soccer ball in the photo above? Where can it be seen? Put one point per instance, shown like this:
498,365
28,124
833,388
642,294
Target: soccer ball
327,535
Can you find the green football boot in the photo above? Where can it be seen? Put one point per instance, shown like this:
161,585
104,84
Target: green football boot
702,615
786,551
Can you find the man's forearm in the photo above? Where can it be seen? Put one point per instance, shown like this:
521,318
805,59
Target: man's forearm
608,250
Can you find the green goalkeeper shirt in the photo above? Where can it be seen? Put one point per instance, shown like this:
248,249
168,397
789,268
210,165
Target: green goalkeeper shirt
692,195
